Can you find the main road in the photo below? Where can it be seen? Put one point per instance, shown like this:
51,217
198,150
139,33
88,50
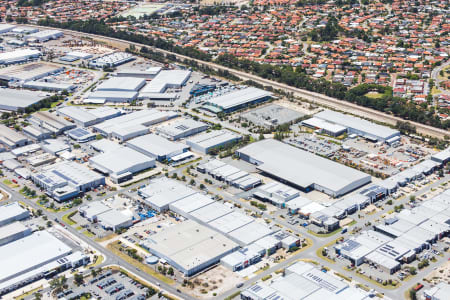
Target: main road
310,96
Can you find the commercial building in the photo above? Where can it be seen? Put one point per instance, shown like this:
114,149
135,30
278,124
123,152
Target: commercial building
188,204
323,126
44,35
442,157
51,122
39,255
148,73
12,232
271,115
86,117
304,281
119,84
75,55
114,220
439,292
55,146
48,86
189,246
12,212
301,169
19,100
41,159
211,212
230,222
360,127
181,128
243,258
17,56
92,210
4,28
11,138
276,193
100,97
67,179
29,72
215,139
156,147
120,164
164,80
161,192
237,99
111,60
145,117
249,233
81,135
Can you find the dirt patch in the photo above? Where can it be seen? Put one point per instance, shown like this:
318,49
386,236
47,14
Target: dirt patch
214,282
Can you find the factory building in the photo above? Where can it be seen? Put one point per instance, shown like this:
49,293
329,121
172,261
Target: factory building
119,84
186,205
157,147
276,193
18,56
237,99
65,180
81,135
5,28
302,170
206,142
243,258
438,292
142,117
54,146
44,35
189,246
120,164
19,100
12,212
12,232
29,72
360,127
12,138
39,255
49,86
164,80
51,122
115,220
163,191
111,60
86,117
148,73
75,55
304,281
442,157
324,126
211,212
100,97
181,129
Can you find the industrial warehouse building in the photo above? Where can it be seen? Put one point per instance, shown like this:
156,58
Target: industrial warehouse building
67,179
360,127
111,60
304,281
100,97
156,147
325,126
136,119
164,80
215,139
50,122
121,163
36,256
29,72
44,35
189,246
48,86
12,232
271,115
81,135
86,117
18,100
118,84
148,73
12,138
301,169
12,212
17,56
181,128
237,99
161,192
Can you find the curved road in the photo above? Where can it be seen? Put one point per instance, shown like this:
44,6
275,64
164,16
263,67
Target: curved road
310,96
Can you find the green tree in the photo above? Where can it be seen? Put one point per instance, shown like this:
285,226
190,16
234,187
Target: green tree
78,279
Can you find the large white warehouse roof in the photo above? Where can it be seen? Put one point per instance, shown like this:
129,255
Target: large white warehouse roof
303,169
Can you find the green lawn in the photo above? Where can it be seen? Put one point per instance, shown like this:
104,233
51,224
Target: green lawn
374,95
88,234
67,218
